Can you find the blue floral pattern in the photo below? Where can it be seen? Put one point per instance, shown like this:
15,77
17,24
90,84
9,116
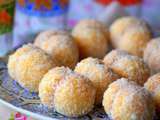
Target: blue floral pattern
13,93
42,8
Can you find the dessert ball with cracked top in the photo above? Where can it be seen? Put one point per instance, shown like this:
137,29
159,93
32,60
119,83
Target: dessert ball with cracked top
152,55
127,66
92,38
28,65
125,25
49,83
74,96
60,45
153,86
125,100
100,75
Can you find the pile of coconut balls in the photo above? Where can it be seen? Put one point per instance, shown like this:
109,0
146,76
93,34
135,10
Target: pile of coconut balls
75,71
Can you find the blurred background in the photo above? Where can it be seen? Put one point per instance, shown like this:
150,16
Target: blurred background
22,20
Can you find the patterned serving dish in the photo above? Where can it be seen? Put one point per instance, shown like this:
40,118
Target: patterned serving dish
12,95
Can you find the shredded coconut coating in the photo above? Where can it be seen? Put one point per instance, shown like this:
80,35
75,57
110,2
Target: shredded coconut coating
42,36
74,96
152,55
125,100
28,65
98,73
135,40
49,83
92,38
153,86
113,56
122,25
60,45
128,66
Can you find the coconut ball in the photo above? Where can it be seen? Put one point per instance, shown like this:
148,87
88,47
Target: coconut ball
134,40
122,25
152,55
127,66
28,65
98,73
125,100
49,83
74,96
113,55
92,38
60,45
153,86
44,35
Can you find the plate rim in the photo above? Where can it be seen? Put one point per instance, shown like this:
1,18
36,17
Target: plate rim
26,112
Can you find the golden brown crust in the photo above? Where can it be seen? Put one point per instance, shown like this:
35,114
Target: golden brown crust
98,73
128,66
92,38
60,45
28,65
125,100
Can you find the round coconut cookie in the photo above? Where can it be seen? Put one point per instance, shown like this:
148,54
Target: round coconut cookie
123,26
125,100
113,55
92,38
60,45
98,73
44,35
134,40
49,83
153,86
69,93
74,96
28,65
152,55
127,66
